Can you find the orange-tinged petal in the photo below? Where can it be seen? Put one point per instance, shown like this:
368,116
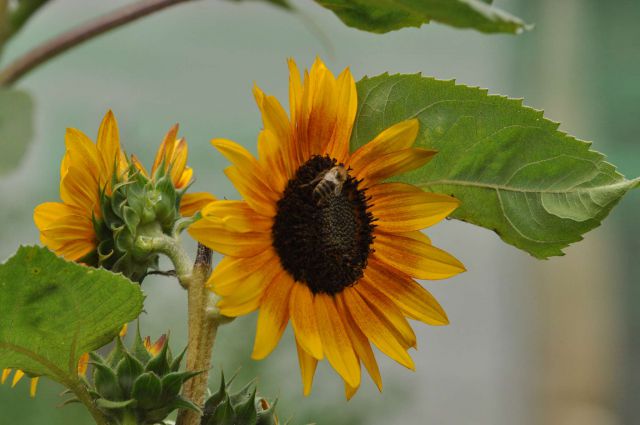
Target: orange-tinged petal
275,158
213,234
303,320
414,301
347,105
335,340
83,364
261,202
273,316
398,137
402,207
178,163
165,151
415,258
155,348
76,249
136,163
245,163
387,310
78,188
191,203
392,164
184,179
376,330
360,344
307,369
33,388
237,216
49,213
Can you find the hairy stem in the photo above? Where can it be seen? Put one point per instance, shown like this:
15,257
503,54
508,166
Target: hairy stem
83,395
203,328
65,41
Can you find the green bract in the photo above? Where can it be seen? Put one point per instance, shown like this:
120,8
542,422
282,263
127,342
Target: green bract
131,386
514,171
240,408
53,311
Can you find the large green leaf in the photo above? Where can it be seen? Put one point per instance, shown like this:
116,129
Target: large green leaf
53,311
16,109
387,15
515,173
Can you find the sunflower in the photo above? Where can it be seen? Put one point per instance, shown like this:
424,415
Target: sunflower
88,170
321,238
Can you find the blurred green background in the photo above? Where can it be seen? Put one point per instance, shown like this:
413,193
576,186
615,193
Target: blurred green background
530,342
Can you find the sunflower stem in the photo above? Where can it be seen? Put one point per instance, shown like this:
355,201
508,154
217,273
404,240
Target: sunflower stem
80,391
203,328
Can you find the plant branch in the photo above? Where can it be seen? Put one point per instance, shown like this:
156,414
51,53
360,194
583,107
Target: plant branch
65,41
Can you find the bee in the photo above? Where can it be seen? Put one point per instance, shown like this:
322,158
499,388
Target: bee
328,183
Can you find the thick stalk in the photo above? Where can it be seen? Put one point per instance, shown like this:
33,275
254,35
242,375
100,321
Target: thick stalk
65,41
203,328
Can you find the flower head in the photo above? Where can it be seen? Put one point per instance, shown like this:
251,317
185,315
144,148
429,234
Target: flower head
107,201
321,239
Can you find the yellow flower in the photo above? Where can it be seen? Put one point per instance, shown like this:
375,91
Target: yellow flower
321,239
69,227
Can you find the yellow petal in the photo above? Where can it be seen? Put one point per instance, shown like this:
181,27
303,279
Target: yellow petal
350,391
191,203
261,202
414,301
237,216
109,146
375,329
360,344
273,316
246,164
389,165
76,249
402,207
212,233
34,386
303,320
335,340
347,101
232,272
307,369
17,377
178,164
5,375
415,258
384,308
398,137
136,163
80,189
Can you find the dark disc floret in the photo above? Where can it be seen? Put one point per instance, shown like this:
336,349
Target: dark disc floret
323,243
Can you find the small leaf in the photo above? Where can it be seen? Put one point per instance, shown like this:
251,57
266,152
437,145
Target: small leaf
53,311
224,414
160,363
16,128
514,171
382,16
246,409
172,383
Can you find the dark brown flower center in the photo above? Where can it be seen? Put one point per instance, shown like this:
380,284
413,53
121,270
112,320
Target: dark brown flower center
322,230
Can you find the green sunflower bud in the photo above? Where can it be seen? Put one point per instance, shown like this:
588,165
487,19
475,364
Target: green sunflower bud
139,385
243,407
138,206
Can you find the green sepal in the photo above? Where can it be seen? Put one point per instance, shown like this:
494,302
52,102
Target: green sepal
172,383
115,405
246,411
128,369
224,414
106,382
147,389
175,363
139,350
